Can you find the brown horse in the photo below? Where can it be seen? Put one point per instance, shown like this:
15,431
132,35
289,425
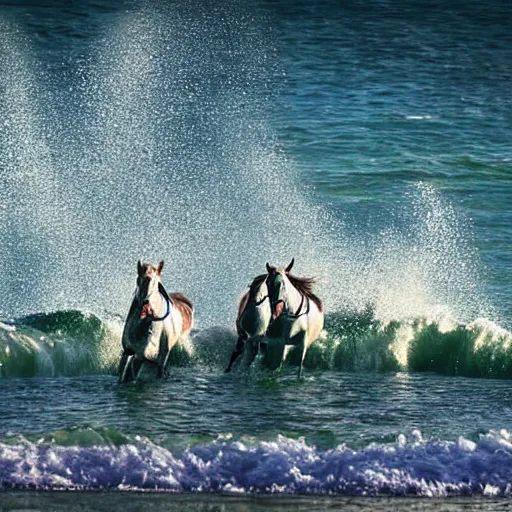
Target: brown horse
155,323
252,320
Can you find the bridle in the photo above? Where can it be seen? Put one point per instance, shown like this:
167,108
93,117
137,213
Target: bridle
298,314
163,293
261,301
295,315
167,312
258,303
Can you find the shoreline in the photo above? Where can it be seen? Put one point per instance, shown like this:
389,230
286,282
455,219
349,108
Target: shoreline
11,501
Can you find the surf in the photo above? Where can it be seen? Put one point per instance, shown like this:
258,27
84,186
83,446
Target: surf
412,466
74,343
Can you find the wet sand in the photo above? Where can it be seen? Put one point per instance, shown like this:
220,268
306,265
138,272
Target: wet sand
67,501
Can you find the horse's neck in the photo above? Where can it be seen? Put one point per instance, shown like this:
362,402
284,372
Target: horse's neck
293,296
261,293
133,308
162,305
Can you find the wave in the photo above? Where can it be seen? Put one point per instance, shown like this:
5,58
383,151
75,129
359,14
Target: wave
358,341
66,343
410,466
72,342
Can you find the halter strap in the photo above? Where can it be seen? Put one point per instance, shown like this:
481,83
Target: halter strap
298,313
159,319
261,301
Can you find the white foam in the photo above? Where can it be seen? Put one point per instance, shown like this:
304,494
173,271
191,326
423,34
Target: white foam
412,466
418,118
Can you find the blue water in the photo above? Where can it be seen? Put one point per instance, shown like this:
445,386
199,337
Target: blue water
370,141
379,95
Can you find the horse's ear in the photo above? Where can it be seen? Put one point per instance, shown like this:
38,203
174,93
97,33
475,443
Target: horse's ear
269,269
289,267
160,267
140,268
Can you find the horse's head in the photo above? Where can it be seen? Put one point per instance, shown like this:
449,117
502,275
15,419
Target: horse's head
276,284
150,293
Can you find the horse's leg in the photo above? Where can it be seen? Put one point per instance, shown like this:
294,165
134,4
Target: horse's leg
263,346
124,365
163,366
239,348
302,357
299,341
273,353
303,347
254,349
286,351
136,366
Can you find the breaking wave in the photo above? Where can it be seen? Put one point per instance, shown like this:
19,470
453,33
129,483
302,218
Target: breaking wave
410,466
60,343
71,342
361,342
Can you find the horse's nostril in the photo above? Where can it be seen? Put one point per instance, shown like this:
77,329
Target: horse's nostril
145,301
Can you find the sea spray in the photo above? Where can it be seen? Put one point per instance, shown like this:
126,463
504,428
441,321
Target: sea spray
161,147
479,349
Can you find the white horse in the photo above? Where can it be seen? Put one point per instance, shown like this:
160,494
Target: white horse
297,314
155,323
252,320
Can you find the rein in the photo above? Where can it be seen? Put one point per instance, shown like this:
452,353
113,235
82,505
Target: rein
261,301
298,314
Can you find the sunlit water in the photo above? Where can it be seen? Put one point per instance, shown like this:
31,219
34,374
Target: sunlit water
371,142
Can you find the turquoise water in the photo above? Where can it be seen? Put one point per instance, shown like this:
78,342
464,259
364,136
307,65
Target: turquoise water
369,141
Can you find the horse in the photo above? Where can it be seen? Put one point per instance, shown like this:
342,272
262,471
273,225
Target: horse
252,320
297,313
155,323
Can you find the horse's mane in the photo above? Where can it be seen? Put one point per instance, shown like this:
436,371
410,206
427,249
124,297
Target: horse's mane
305,286
256,283
253,288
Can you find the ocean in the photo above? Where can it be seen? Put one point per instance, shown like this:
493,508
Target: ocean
368,140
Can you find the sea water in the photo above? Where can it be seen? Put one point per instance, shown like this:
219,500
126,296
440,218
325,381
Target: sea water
370,141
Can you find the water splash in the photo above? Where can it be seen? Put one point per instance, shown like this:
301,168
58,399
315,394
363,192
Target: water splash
75,343
35,217
62,343
160,145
